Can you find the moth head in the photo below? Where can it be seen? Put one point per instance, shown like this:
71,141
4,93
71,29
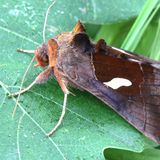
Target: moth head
41,55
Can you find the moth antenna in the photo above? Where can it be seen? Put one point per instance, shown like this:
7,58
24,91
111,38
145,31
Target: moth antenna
29,66
61,117
25,51
23,78
45,21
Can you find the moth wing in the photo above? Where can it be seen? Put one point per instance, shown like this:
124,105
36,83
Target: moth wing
142,97
138,103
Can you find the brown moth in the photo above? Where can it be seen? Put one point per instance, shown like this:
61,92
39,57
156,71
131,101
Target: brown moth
74,60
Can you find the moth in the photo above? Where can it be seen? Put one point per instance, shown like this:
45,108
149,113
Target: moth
73,59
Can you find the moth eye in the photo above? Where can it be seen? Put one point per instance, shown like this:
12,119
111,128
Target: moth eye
116,83
41,55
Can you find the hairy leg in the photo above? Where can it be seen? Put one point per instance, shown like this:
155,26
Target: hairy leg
41,78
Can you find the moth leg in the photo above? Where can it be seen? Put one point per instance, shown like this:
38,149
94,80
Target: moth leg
25,51
41,78
61,117
63,85
62,82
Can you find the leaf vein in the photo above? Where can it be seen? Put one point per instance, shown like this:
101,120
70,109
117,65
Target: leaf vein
18,35
32,119
18,132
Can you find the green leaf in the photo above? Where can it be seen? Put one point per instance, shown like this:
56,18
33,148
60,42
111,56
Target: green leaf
89,125
65,14
114,33
149,154
155,51
146,15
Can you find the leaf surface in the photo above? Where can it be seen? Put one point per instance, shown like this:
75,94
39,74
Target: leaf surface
89,125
